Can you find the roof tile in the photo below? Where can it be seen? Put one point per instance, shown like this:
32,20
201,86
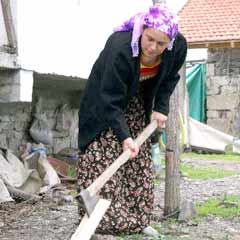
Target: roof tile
210,20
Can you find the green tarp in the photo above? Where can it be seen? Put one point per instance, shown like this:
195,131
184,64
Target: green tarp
196,78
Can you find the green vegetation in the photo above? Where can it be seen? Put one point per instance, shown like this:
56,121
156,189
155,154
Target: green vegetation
71,172
157,226
199,172
157,181
226,157
74,193
228,206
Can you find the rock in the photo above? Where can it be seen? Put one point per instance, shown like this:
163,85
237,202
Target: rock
150,231
1,224
68,198
187,211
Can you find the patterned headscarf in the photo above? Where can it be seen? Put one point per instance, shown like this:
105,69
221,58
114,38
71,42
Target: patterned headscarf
158,17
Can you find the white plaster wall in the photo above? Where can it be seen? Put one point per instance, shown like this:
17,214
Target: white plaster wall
26,85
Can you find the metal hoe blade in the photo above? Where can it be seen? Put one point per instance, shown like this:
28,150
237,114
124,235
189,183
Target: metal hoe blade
87,201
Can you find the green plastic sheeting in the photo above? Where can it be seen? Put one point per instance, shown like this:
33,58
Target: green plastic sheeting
196,78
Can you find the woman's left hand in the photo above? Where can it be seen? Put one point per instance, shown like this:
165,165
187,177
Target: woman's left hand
161,118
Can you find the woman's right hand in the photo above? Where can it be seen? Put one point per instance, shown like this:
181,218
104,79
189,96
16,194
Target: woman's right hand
128,143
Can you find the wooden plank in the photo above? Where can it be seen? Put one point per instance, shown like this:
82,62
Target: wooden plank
88,225
9,24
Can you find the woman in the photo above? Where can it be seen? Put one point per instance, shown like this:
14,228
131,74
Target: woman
130,83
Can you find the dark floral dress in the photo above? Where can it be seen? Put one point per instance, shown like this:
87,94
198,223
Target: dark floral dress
131,188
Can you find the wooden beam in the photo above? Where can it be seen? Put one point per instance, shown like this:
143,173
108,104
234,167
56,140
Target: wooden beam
9,24
232,44
88,225
225,44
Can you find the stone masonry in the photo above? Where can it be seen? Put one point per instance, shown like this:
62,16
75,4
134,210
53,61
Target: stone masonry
14,124
9,86
58,106
223,90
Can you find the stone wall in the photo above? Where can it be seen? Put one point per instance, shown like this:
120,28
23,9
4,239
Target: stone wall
14,124
9,85
61,110
223,90
59,106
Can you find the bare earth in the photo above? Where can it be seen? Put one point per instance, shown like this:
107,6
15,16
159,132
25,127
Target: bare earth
55,216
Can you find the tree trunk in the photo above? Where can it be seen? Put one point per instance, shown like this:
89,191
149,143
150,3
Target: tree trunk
172,177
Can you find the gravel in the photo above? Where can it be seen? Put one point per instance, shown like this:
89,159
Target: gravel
58,220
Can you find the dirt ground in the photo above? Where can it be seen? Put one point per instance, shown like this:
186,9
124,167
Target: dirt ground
55,216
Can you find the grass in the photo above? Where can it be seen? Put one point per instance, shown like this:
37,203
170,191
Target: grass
228,206
71,172
225,157
200,172
157,181
157,226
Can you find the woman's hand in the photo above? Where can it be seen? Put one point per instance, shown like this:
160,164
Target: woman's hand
161,119
128,143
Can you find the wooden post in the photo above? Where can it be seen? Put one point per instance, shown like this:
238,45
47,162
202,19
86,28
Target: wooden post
9,24
172,176
184,105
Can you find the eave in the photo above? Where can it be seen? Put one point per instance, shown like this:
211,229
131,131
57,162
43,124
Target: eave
215,44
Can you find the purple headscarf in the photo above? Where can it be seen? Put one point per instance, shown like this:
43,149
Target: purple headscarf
158,17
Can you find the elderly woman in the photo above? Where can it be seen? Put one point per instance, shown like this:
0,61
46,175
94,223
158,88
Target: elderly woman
130,84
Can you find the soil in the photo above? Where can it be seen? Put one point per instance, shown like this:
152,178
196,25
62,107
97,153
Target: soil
55,216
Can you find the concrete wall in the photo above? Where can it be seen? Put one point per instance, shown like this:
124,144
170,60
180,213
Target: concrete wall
223,90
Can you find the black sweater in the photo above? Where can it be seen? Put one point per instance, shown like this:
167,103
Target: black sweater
114,79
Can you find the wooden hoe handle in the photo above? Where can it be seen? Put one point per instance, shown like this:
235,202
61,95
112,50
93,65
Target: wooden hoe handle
96,186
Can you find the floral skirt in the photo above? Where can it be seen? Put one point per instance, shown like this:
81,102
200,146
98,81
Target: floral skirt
131,188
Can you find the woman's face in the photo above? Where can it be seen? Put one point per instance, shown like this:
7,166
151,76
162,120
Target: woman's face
153,42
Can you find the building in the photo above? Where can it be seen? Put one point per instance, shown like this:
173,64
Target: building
215,25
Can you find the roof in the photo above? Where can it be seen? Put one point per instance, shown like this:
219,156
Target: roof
211,23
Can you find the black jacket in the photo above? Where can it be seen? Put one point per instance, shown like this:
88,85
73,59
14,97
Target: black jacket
114,79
